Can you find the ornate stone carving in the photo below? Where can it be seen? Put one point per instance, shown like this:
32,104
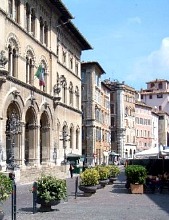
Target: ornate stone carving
3,59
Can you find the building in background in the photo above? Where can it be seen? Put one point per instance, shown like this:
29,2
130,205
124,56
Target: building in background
157,95
163,131
96,114
122,102
146,127
41,83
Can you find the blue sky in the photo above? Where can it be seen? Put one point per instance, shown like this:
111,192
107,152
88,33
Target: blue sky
130,38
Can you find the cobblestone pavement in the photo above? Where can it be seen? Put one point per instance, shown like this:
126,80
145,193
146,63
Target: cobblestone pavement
113,202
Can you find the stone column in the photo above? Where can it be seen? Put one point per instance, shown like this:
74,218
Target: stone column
29,28
37,145
13,9
11,63
22,148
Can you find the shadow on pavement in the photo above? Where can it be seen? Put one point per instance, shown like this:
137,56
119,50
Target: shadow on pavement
26,209
119,188
160,199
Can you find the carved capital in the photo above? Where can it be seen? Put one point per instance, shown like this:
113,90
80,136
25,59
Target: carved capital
3,59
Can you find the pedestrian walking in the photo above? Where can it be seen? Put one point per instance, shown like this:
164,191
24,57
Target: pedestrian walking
71,170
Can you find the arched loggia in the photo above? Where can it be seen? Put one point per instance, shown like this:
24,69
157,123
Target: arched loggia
13,136
30,136
44,138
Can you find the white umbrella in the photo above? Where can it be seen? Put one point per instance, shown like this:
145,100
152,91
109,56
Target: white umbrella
165,152
148,153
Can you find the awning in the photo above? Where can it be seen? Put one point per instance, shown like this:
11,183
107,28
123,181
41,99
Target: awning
148,153
105,153
112,153
70,155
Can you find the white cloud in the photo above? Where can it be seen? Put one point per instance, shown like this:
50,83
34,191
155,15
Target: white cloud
155,65
134,20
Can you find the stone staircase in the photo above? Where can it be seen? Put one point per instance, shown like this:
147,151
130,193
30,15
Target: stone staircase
31,173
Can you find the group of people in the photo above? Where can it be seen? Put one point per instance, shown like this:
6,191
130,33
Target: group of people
158,182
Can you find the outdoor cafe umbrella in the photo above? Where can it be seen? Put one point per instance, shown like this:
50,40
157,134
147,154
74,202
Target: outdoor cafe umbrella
152,152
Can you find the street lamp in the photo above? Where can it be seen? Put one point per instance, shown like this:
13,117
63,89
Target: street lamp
55,153
65,135
65,138
13,128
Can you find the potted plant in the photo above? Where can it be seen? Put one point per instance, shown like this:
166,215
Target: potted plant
136,177
5,190
113,173
89,181
50,191
104,174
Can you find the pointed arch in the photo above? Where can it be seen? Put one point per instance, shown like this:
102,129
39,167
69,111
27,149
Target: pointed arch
77,97
30,135
30,63
44,138
13,134
71,135
13,53
71,94
77,137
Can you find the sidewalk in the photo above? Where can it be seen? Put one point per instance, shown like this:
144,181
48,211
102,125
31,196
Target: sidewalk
113,202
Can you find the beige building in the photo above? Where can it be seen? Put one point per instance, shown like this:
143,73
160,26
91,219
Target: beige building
96,114
40,120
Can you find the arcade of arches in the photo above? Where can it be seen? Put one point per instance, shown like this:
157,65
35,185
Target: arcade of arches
32,143
36,137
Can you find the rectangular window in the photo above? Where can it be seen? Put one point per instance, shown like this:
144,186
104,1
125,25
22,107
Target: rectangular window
150,96
161,117
112,121
159,96
112,108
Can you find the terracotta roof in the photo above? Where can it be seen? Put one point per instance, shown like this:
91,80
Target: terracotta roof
142,104
157,80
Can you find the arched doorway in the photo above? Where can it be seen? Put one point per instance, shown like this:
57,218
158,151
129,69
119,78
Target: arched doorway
44,138
30,136
13,134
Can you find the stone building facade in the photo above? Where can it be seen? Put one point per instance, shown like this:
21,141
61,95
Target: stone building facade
96,114
122,118
39,35
163,131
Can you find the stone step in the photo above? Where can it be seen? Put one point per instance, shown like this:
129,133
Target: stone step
31,174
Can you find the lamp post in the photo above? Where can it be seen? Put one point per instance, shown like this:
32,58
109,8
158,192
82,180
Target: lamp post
55,153
65,139
65,135
12,129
